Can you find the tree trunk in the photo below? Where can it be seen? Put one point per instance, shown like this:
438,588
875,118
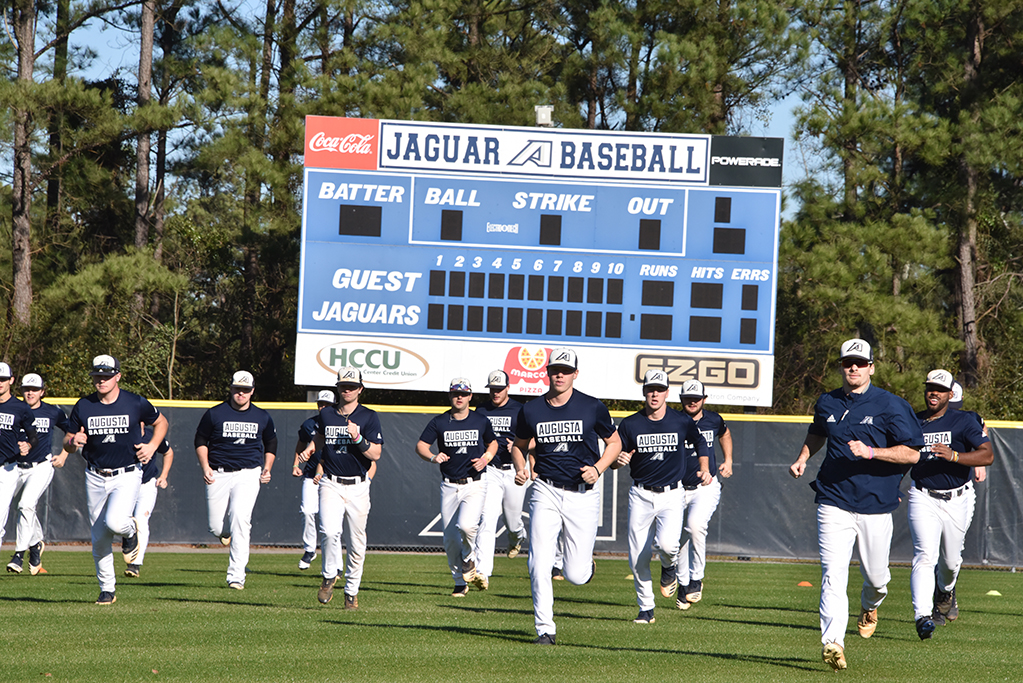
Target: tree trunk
21,249
54,185
145,88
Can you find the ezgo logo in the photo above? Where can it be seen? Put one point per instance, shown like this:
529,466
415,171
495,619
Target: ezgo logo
734,373
379,363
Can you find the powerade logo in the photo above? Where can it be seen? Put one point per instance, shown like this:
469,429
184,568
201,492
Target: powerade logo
381,364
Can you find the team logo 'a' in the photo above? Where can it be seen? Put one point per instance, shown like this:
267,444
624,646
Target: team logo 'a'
536,152
109,438
462,451
240,442
561,448
658,456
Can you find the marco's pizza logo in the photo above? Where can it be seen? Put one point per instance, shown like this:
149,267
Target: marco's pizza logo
332,142
527,369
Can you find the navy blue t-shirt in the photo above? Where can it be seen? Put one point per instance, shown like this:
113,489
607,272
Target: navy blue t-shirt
566,435
712,426
46,417
660,446
237,439
340,456
960,431
504,419
461,440
306,434
114,429
15,417
151,470
877,418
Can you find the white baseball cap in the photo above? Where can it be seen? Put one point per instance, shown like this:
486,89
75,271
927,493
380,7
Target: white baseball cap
857,348
5,371
563,357
243,379
692,388
32,381
498,379
957,394
460,385
105,365
940,378
349,375
325,396
655,378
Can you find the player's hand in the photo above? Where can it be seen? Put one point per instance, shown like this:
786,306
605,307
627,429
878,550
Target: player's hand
521,477
623,458
24,447
725,469
860,449
441,457
942,451
479,464
705,477
144,452
590,474
80,438
207,476
296,471
59,460
264,477
979,474
161,482
797,468
353,430
307,452
316,479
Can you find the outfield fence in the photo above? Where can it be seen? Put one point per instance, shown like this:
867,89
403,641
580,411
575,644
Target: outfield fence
764,513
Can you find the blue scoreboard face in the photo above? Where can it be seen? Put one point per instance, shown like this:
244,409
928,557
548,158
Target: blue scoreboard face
433,251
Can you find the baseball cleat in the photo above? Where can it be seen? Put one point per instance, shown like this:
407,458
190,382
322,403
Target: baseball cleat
15,565
514,550
307,559
593,571
544,639
351,601
694,591
556,574
669,581
480,581
834,656
646,616
953,611
130,544
236,585
326,591
867,622
35,557
924,627
681,602
132,570
225,540
106,598
937,617
945,603
468,570
460,591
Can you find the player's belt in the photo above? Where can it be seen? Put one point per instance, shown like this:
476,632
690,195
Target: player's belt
113,473
465,480
231,468
502,466
345,481
659,489
28,465
566,487
947,494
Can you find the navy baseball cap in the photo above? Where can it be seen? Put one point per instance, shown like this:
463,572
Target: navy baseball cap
106,366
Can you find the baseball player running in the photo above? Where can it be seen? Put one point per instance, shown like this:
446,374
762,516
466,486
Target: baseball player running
701,502
106,425
154,478
305,468
35,472
15,418
654,447
350,442
236,444
567,426
870,435
941,500
466,443
503,496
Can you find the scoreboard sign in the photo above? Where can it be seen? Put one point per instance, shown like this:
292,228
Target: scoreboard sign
432,251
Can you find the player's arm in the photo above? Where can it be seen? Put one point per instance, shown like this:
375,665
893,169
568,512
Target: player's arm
725,439
168,461
518,450
202,453
300,457
705,476
480,463
371,473
898,454
982,457
269,451
424,452
612,448
811,444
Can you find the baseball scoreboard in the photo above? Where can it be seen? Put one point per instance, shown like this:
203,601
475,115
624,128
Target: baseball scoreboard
432,250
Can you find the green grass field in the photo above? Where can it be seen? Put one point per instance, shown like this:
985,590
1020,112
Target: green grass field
179,622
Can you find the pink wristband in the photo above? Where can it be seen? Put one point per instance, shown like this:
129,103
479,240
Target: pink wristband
871,456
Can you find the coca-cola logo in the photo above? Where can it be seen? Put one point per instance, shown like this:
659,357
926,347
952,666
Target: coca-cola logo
349,144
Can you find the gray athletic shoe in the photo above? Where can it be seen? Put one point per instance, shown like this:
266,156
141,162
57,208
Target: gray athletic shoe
326,591
545,639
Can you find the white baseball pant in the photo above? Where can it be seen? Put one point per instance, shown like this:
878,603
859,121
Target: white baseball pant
111,501
230,500
503,497
143,511
309,508
652,515
31,484
699,507
344,510
461,508
551,511
938,529
837,532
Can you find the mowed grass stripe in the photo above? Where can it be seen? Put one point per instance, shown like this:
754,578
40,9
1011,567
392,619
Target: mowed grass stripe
753,624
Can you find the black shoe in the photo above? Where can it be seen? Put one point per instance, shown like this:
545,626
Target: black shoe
132,571
593,571
694,591
106,598
669,581
556,574
924,627
307,559
545,639
130,544
15,565
646,616
35,557
460,592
